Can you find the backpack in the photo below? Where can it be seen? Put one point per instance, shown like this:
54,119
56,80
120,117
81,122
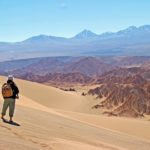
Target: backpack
7,90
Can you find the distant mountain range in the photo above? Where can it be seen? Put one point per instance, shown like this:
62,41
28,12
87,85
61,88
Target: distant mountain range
130,41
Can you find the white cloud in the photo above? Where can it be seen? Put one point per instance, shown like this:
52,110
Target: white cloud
63,5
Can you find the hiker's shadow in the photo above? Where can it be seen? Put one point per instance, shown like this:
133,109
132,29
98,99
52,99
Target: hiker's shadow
11,122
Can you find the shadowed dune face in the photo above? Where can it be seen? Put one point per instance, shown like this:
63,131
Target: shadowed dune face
49,128
51,97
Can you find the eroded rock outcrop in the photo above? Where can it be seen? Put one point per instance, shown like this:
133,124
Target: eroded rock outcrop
120,99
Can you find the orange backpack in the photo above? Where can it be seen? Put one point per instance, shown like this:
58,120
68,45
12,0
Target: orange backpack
7,90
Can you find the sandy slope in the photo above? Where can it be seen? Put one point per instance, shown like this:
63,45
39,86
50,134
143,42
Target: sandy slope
135,127
66,129
51,97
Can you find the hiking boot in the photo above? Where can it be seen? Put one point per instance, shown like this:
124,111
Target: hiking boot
4,120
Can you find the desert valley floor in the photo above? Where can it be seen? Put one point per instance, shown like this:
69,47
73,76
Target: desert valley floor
52,119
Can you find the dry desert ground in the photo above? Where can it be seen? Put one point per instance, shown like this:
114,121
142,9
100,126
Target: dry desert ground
52,119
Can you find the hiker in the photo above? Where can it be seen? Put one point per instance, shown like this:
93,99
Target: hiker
10,93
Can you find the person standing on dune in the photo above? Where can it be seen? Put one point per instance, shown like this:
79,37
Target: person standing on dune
10,93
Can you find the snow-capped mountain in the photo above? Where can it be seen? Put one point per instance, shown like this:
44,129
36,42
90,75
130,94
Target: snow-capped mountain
85,34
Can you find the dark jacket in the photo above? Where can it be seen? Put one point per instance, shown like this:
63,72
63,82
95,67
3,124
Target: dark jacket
14,88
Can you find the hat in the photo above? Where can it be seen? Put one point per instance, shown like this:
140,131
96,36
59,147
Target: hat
10,77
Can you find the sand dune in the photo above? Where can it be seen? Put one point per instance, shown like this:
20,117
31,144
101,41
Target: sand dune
51,97
61,126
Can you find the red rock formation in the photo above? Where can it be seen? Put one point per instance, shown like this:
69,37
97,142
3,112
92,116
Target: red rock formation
58,78
124,99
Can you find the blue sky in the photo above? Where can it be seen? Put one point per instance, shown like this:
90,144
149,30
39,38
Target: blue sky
20,19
